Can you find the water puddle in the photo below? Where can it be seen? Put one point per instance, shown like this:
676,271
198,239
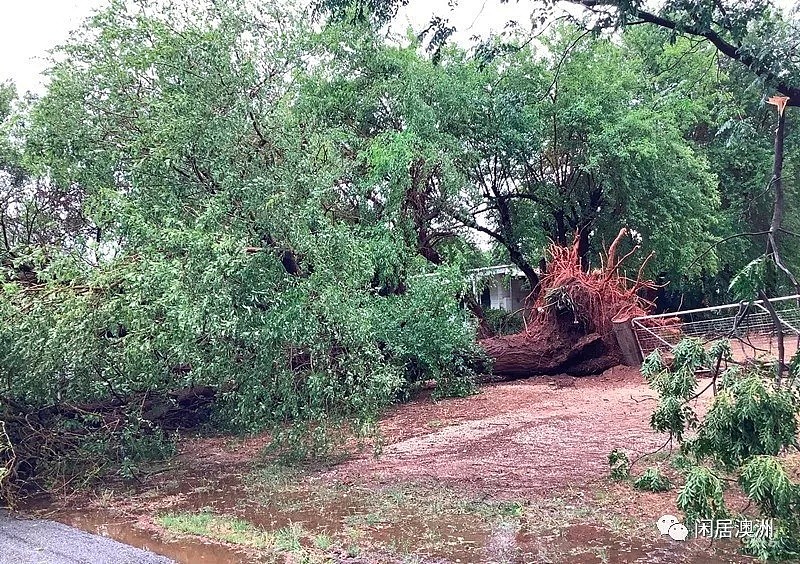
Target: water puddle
184,550
391,525
592,544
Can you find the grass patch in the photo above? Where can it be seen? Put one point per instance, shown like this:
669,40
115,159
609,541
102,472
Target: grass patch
322,541
270,477
217,527
288,539
412,519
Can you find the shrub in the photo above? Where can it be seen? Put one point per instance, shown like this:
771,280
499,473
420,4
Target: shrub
620,465
652,480
750,416
751,421
702,495
502,322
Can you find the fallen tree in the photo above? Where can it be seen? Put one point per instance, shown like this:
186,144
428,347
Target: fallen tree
569,326
66,445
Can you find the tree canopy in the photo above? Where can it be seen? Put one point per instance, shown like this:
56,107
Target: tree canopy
230,195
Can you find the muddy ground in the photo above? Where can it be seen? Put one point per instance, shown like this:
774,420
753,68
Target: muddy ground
517,473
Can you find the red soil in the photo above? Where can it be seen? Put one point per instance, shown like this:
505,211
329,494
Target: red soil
522,439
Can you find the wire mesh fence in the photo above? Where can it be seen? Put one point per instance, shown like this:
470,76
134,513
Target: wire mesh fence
748,325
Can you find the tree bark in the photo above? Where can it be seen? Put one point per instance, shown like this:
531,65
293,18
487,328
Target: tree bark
772,237
518,356
777,182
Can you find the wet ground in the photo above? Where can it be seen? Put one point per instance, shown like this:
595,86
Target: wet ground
516,474
28,541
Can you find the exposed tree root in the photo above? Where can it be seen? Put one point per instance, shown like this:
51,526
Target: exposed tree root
569,328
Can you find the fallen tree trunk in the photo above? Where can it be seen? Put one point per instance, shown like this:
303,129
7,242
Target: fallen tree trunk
569,329
516,356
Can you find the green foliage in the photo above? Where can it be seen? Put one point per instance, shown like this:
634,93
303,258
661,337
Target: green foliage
620,465
681,461
766,483
652,480
701,497
750,280
652,366
794,368
724,115
675,385
748,417
591,107
782,545
434,127
218,244
720,349
458,379
672,416
689,355
502,322
222,528
750,422
7,455
84,448
222,194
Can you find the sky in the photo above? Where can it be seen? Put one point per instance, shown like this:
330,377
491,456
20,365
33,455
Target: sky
29,28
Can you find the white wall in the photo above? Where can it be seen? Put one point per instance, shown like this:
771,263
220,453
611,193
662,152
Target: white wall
506,295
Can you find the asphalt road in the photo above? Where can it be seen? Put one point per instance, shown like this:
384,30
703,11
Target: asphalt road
30,541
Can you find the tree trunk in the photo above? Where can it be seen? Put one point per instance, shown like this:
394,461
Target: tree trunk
527,269
583,247
519,356
484,329
777,182
774,234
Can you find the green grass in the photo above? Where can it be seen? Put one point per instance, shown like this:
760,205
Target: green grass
288,538
652,480
273,476
217,527
322,541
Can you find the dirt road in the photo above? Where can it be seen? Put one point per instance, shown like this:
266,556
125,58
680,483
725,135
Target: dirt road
522,439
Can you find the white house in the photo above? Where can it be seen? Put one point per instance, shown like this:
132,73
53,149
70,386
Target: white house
500,287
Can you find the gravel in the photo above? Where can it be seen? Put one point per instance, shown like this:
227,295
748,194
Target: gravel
31,541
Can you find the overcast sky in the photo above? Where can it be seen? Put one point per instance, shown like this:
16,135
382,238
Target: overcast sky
28,28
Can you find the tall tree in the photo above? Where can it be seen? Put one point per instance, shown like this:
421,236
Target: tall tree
572,141
754,33
218,261
517,148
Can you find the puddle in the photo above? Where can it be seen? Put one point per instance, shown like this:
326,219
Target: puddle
350,516
590,544
387,526
185,550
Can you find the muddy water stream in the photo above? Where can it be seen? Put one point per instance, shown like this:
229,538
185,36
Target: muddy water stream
185,550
